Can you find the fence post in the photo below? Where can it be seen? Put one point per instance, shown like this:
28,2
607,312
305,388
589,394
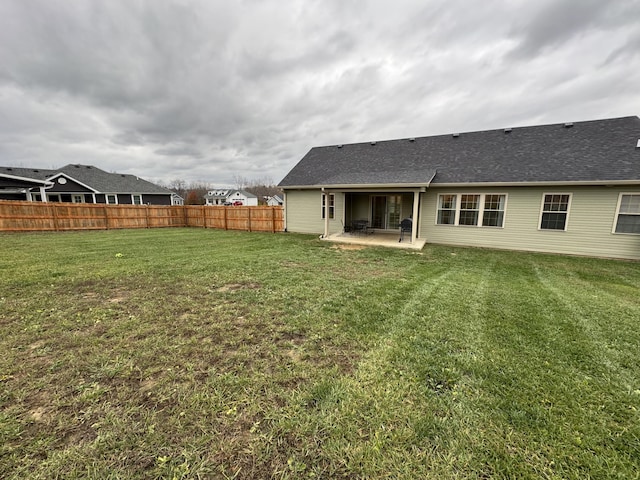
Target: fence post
273,219
204,218
106,217
249,217
225,217
54,208
146,214
184,216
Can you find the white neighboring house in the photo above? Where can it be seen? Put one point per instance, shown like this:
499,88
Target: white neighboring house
177,199
275,201
230,197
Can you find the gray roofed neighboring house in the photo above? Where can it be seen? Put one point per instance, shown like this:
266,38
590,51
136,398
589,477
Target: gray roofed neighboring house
564,188
89,184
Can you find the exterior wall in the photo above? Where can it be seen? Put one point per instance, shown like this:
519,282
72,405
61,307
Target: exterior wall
124,199
303,210
69,187
589,225
155,199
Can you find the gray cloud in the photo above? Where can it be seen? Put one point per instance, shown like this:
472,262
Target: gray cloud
206,90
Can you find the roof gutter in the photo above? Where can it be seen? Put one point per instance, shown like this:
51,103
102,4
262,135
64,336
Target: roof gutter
587,183
466,184
358,185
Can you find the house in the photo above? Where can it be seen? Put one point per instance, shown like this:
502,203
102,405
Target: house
230,197
571,188
275,201
176,199
81,184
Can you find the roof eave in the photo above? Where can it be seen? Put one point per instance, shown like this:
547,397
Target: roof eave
27,179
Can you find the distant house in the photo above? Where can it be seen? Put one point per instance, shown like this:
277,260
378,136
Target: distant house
275,201
230,197
80,184
176,199
570,188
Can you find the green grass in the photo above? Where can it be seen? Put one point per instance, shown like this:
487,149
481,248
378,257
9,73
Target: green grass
186,353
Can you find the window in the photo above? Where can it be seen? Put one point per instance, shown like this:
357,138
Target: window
136,199
628,216
332,205
77,198
447,209
112,199
485,210
469,209
493,215
555,210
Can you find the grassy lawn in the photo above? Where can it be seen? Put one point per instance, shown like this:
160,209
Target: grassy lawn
187,353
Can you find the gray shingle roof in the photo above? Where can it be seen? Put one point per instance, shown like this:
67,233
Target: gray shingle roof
591,151
93,177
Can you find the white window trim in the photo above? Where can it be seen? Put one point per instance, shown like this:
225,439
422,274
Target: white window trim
133,201
480,210
106,198
566,223
75,195
324,203
615,218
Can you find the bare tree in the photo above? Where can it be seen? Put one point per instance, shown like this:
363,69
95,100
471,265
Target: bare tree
263,188
240,182
196,192
179,186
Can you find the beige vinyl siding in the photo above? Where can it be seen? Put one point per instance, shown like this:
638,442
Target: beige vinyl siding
304,212
589,225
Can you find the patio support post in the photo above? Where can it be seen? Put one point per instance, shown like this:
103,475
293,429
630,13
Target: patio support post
326,213
414,218
43,194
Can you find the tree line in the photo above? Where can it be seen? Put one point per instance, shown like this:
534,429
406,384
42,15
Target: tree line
194,192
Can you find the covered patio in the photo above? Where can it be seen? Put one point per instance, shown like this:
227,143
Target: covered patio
377,239
374,216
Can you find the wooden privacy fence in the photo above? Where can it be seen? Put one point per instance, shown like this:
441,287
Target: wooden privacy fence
40,216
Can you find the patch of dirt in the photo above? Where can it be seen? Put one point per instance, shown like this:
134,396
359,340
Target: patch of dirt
37,345
119,295
348,246
80,435
37,414
148,384
232,287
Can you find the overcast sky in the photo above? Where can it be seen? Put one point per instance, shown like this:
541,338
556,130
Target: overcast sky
210,90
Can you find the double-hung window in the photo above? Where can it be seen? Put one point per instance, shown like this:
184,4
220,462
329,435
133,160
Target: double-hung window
478,210
112,199
469,209
446,209
493,215
136,199
628,213
332,205
555,211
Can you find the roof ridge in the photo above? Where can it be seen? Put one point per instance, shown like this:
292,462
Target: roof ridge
469,132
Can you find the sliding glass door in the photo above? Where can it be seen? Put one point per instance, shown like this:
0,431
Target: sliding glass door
386,211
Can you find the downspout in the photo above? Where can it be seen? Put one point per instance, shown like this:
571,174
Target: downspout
284,206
